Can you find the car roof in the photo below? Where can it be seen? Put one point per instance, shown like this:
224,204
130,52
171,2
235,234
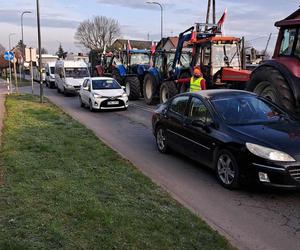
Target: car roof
101,78
213,94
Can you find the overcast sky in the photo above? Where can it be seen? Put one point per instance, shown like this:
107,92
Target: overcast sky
59,18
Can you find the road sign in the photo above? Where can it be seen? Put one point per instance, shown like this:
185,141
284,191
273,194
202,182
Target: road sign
9,55
30,55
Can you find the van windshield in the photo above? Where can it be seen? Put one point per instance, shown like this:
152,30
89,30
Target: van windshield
77,72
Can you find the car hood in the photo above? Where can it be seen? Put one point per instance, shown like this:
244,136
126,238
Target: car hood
74,81
283,136
109,92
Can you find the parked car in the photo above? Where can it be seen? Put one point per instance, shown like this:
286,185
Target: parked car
241,136
103,93
50,75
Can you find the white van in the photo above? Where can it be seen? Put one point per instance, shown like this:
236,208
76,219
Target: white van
45,59
50,75
69,75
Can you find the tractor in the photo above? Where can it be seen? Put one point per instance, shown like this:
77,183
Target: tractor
128,68
221,59
278,79
161,69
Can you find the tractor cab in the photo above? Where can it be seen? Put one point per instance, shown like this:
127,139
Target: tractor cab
221,59
163,61
135,60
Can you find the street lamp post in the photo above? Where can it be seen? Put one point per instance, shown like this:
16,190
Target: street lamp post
9,62
39,46
23,48
162,16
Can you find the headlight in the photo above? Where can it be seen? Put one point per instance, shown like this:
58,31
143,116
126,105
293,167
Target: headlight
269,153
124,94
96,95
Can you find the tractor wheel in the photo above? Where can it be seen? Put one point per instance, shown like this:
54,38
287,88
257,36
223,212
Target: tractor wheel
149,89
116,75
167,91
133,88
269,83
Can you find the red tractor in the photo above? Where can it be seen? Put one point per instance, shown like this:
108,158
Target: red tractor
279,79
221,59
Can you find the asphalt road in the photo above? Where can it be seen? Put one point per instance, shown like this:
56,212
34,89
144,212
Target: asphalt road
250,219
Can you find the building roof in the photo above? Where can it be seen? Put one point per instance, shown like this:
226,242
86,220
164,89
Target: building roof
135,44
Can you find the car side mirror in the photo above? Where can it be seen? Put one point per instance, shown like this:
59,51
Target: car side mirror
124,88
47,73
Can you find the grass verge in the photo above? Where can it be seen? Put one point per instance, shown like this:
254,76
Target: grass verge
62,188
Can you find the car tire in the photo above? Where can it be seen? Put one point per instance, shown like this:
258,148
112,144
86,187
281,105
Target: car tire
65,92
82,105
91,106
167,91
227,170
161,140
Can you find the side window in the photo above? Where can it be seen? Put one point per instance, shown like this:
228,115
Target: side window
198,111
158,62
179,105
287,42
297,49
89,85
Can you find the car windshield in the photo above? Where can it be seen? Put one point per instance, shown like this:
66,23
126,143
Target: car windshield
52,70
105,84
225,53
246,110
77,72
140,59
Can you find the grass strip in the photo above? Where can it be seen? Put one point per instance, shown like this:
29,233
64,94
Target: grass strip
62,188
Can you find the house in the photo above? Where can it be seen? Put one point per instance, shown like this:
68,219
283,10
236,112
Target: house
168,43
120,44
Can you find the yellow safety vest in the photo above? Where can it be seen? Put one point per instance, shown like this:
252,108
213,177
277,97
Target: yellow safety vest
195,84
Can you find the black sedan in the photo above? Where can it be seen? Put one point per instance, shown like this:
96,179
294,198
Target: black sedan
241,136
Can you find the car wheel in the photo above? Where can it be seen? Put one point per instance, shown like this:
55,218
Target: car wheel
65,92
161,140
91,106
227,170
81,102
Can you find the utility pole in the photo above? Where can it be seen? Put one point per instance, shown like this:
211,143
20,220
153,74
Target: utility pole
40,46
9,62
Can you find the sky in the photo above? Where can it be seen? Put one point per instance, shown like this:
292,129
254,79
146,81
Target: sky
59,19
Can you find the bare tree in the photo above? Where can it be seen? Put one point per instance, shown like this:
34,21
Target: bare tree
97,32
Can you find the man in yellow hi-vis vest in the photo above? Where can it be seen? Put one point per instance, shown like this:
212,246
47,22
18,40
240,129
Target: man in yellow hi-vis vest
197,82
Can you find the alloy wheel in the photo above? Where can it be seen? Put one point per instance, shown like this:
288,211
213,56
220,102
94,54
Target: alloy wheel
225,168
161,140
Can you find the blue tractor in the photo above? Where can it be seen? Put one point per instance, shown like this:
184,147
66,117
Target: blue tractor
129,69
168,67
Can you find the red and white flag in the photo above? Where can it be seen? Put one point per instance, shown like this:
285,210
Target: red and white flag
129,45
153,47
222,19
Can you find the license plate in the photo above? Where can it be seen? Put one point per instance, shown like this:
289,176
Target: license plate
113,103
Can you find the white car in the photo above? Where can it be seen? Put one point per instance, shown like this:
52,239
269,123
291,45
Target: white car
103,93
